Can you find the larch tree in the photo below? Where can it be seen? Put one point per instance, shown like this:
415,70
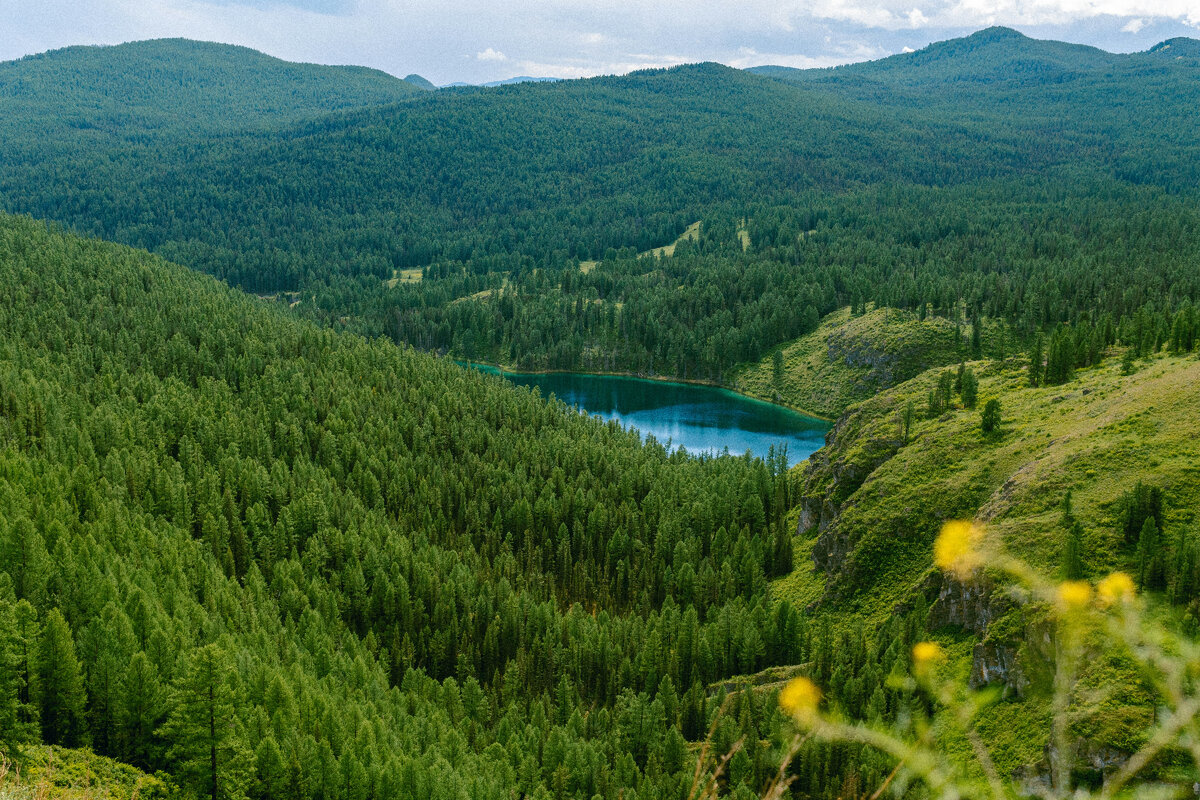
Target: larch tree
60,684
207,741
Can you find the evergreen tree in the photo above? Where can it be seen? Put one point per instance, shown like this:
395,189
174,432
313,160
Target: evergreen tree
60,684
13,730
990,418
207,743
1036,356
1073,566
139,712
1150,559
970,388
1128,361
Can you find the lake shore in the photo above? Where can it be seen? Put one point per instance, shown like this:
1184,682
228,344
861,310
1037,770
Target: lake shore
502,370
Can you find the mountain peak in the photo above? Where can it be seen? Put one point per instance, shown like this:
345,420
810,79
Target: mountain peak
420,82
1179,47
996,33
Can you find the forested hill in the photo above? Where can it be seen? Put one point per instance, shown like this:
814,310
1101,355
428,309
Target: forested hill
175,87
379,575
504,224
534,171
1139,104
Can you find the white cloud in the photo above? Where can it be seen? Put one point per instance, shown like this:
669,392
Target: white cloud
572,39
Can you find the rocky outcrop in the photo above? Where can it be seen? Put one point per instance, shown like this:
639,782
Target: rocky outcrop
1092,764
860,352
971,605
993,663
834,473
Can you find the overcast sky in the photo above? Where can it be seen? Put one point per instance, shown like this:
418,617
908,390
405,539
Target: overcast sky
482,40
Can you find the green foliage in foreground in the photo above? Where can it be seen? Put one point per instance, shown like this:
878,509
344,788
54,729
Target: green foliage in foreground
60,773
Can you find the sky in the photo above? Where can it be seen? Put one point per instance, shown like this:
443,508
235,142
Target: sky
475,41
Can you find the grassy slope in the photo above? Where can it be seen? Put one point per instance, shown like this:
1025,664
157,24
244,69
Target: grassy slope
41,773
1096,436
848,359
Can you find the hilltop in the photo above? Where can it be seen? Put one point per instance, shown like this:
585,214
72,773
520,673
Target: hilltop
168,88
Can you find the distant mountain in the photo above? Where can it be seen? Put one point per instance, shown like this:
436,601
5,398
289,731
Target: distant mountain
520,79
174,87
505,82
995,57
420,82
575,168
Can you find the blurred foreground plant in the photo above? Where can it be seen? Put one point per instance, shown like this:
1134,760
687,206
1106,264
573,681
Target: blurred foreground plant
1086,619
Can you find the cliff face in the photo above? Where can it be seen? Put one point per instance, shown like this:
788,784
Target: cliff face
833,475
855,448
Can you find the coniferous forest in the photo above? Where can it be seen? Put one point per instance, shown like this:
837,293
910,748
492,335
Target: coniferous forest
262,537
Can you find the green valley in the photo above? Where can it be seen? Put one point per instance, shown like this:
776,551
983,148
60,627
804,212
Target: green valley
262,536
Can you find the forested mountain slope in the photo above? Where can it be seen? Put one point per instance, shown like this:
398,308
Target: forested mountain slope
1141,106
383,575
96,97
386,576
502,224
528,174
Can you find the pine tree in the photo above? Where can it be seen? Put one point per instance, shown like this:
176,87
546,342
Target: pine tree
1036,353
1073,565
1151,566
1128,361
139,712
1073,553
906,418
990,418
203,731
13,730
60,684
970,388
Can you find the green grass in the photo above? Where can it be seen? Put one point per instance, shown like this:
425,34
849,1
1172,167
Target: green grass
692,233
411,275
850,358
40,772
1096,436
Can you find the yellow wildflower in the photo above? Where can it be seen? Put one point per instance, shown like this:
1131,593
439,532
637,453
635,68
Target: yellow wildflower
800,698
1074,595
926,653
1116,588
957,546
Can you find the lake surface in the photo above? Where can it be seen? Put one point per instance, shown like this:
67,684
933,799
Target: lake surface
698,418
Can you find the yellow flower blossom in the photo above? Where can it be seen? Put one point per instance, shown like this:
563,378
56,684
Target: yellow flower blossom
1074,595
957,546
926,653
1116,588
800,698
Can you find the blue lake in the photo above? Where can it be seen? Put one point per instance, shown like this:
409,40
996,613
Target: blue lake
698,418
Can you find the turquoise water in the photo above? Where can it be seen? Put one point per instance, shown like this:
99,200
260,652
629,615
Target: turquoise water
698,418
